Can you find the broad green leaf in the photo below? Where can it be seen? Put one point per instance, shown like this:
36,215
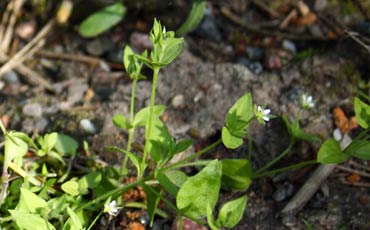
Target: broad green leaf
362,111
194,18
229,140
172,180
66,145
142,116
102,20
359,149
232,212
73,222
236,174
330,153
183,145
170,49
15,149
211,220
200,191
136,160
121,121
161,144
71,187
241,113
29,221
30,202
49,141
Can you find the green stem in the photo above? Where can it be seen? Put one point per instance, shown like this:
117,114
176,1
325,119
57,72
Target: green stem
158,211
193,156
150,122
284,169
113,193
250,143
132,129
278,158
95,219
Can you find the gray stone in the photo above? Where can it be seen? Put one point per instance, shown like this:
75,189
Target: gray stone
11,77
88,126
32,110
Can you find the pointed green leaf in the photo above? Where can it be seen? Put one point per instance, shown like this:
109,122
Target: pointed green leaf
183,145
359,149
172,180
71,187
331,153
30,202
50,140
73,222
136,160
211,220
15,149
207,184
121,121
232,212
229,140
28,221
236,174
194,18
241,113
142,116
66,145
362,111
152,201
102,20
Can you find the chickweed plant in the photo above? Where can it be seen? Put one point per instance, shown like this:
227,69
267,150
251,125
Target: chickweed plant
41,191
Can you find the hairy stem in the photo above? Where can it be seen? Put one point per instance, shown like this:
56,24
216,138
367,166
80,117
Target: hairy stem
284,169
132,129
150,122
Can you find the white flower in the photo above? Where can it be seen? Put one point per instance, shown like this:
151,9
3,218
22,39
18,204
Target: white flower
307,101
111,208
263,113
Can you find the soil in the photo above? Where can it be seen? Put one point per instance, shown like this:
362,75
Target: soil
198,88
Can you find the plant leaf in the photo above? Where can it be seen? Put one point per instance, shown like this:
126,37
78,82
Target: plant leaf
29,221
66,145
102,20
71,187
240,113
73,222
171,180
236,174
121,121
30,202
362,111
136,160
359,149
152,201
182,145
194,18
229,140
232,212
331,153
211,220
142,116
207,184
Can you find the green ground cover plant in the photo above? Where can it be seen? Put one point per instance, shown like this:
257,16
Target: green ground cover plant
41,191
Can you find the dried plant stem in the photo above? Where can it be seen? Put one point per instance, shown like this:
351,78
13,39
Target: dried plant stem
32,46
8,23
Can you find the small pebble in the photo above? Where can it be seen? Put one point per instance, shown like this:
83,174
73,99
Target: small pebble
254,53
178,101
11,77
141,41
2,84
88,126
289,46
26,30
208,29
144,219
32,110
283,192
337,134
99,46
